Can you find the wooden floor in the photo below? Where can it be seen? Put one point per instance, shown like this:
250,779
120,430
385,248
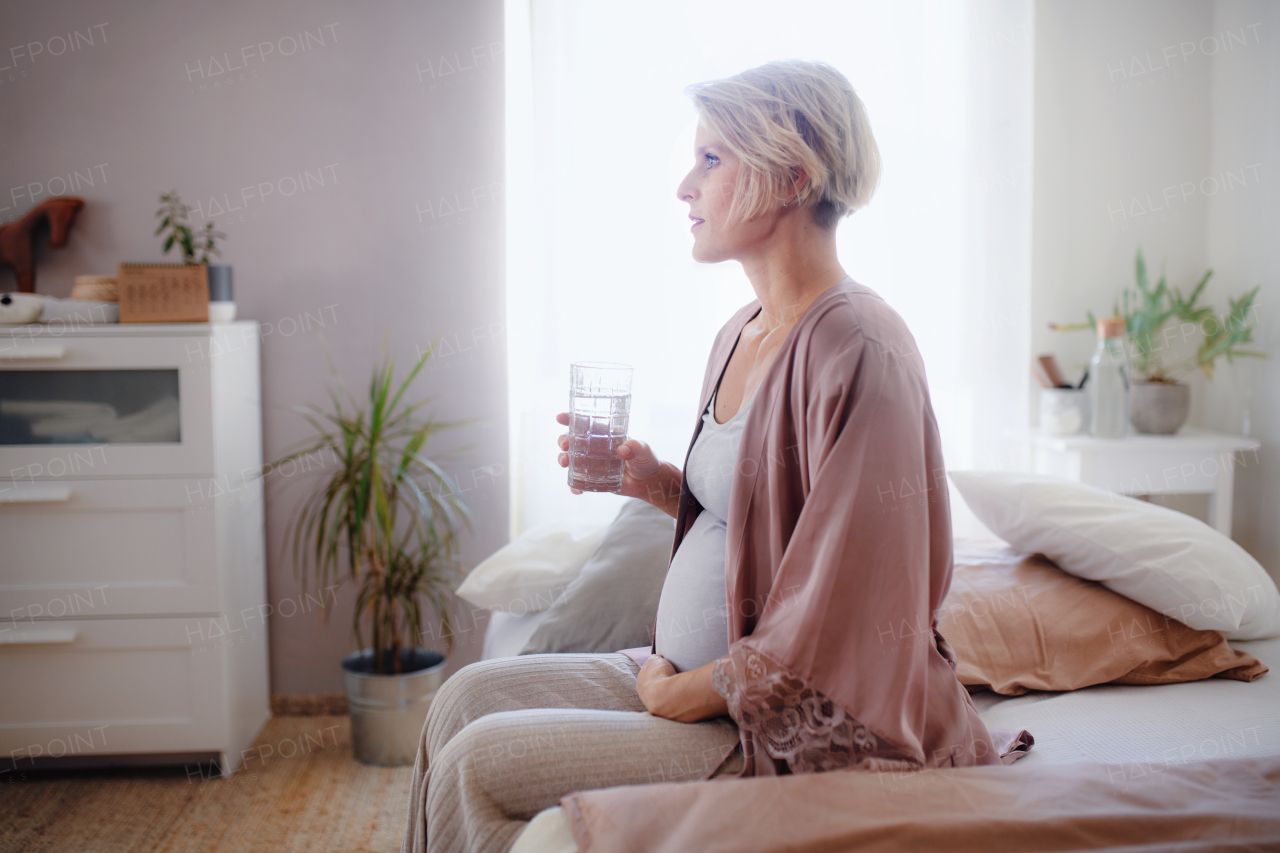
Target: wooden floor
299,791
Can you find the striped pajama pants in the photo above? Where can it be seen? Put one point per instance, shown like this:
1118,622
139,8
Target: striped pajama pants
507,738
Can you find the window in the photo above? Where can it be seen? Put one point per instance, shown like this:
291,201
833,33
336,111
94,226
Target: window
599,134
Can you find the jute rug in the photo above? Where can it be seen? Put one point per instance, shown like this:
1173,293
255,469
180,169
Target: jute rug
300,790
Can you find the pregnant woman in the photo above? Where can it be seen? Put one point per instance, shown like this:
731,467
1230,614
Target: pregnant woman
796,630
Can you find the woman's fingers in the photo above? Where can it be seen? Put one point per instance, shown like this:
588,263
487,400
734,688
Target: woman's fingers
564,463
656,666
563,441
563,438
640,460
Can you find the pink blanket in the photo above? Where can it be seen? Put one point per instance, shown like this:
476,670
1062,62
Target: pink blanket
1203,806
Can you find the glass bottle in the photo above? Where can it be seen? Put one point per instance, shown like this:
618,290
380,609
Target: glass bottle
1109,381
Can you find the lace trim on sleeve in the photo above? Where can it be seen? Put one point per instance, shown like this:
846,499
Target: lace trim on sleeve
795,723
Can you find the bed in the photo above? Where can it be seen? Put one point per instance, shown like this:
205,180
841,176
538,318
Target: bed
1113,766
1138,731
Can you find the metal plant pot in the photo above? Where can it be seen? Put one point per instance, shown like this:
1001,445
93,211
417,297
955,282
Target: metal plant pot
388,711
222,295
1159,408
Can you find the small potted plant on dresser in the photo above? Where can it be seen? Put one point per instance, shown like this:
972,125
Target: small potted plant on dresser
386,517
175,217
1161,353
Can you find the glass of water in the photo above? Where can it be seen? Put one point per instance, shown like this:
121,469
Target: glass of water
599,411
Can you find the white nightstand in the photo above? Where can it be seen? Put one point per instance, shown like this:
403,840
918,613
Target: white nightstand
1194,461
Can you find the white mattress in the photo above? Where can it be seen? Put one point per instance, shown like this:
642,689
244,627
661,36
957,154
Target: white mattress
1165,724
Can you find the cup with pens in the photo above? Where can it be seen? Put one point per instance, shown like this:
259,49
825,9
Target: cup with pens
1064,408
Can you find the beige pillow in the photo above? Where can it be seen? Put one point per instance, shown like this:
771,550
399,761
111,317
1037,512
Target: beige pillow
1020,623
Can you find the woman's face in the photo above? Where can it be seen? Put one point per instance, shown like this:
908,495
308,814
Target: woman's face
708,188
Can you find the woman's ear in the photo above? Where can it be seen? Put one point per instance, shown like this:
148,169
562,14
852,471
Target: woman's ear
799,178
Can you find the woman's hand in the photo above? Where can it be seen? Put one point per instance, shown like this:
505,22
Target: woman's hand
685,697
644,475
651,682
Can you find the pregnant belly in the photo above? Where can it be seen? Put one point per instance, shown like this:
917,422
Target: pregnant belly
693,613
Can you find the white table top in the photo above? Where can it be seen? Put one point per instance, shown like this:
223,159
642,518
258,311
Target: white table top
1187,438
47,331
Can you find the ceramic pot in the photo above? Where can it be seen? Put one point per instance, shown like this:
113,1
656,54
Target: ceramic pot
389,711
222,305
1159,408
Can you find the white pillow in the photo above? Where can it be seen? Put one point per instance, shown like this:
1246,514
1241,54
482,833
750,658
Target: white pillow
507,633
529,574
1158,557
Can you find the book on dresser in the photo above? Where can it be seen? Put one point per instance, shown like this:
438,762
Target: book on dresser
133,597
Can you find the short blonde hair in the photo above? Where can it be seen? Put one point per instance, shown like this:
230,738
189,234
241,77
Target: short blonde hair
787,114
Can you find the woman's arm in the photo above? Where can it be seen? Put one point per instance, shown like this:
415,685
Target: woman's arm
685,697
645,477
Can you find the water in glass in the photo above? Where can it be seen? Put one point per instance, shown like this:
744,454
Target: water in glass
600,408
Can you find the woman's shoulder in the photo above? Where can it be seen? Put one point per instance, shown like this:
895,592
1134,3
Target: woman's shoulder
853,316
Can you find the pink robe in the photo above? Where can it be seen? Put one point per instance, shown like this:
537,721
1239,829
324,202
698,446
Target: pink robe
839,553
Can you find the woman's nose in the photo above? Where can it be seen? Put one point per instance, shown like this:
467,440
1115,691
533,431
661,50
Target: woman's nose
687,191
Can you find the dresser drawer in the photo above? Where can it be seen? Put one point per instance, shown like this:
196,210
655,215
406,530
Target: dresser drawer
93,548
78,406
110,686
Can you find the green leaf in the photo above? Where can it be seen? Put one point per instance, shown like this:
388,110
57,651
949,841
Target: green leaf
384,509
1148,310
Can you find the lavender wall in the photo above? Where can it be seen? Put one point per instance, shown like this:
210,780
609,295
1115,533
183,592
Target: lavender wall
353,155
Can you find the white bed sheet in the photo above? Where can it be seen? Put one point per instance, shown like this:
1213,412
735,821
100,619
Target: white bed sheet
1165,723
1143,727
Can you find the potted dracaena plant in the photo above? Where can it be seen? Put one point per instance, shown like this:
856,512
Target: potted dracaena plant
175,217
1162,325
387,518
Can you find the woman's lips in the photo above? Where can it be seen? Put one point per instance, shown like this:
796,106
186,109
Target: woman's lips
696,222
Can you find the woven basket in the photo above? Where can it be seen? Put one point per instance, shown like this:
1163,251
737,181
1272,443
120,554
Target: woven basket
96,288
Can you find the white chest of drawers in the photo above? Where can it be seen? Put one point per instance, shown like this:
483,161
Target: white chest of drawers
132,575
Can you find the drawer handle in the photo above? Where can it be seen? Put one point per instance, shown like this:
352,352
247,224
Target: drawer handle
48,352
36,495
38,636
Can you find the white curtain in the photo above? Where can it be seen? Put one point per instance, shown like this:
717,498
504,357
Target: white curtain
599,134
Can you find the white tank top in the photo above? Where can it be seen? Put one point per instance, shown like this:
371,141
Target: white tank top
693,613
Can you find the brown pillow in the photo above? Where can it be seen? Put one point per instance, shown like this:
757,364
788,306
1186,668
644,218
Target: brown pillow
1020,623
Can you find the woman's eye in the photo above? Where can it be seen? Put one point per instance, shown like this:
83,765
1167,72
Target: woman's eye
711,160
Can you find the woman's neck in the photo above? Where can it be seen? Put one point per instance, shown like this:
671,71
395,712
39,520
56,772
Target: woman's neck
791,268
